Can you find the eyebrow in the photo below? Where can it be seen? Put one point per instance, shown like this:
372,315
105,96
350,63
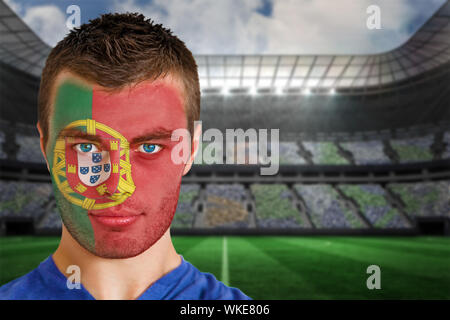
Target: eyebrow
160,133
74,133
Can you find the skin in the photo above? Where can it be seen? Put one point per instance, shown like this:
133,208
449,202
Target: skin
122,262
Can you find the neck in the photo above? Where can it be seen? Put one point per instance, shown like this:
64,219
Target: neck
117,278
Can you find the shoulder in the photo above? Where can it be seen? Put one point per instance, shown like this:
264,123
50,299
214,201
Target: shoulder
196,285
43,283
26,287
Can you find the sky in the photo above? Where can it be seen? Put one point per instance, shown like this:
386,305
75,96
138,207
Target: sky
251,26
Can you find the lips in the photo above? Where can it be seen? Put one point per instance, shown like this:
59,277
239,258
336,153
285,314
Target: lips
117,218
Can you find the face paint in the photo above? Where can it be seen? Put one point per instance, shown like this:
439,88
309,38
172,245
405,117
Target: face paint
126,174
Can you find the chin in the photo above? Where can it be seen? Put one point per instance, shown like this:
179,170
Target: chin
121,250
117,245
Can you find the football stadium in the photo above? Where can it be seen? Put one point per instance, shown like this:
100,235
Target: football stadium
363,179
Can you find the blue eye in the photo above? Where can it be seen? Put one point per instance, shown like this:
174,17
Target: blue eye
86,147
149,148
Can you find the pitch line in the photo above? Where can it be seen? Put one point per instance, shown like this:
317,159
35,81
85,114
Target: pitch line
225,271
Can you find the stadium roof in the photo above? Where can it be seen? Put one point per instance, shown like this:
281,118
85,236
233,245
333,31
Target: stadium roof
20,47
428,48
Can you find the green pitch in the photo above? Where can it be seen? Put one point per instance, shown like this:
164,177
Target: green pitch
277,267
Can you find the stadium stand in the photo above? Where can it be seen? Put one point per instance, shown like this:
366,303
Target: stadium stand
367,152
289,154
29,149
326,208
325,153
50,220
274,207
424,198
371,199
414,149
185,213
23,143
224,207
24,200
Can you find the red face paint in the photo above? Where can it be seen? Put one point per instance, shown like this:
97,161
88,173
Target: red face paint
147,113
120,124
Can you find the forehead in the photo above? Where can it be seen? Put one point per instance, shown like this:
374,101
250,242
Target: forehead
133,110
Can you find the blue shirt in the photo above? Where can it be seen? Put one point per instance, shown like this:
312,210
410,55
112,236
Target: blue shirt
185,282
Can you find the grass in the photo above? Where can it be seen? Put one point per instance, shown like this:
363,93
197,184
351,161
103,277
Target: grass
283,267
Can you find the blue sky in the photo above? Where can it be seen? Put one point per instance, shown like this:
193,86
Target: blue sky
251,26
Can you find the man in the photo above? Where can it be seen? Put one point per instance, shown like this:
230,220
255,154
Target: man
112,94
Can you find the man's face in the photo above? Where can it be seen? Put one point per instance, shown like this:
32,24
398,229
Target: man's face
140,119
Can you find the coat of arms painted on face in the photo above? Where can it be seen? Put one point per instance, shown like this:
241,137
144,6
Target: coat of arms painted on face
93,174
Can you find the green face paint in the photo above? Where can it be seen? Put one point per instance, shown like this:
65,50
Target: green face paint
72,102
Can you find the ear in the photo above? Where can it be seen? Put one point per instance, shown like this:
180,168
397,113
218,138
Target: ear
41,138
194,150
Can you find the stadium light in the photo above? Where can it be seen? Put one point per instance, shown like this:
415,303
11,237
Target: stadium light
279,90
253,91
225,91
332,91
306,91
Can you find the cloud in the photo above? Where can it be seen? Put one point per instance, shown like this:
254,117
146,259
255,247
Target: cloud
206,27
16,7
47,21
239,27
294,26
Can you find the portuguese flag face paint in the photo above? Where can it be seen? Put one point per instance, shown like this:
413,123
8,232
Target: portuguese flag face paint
109,153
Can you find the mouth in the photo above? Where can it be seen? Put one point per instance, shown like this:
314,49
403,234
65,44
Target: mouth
115,219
